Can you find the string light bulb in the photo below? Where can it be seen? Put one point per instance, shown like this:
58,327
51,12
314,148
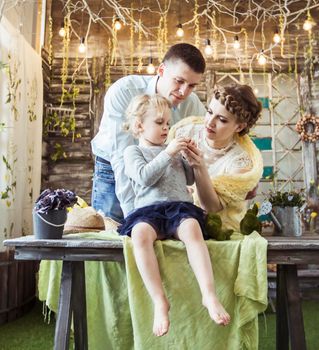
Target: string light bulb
208,48
308,24
82,47
262,58
236,42
117,24
62,31
150,68
276,38
180,31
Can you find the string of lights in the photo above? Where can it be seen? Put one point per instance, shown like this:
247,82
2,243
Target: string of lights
238,18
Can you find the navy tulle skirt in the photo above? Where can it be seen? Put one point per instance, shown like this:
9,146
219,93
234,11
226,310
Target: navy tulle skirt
164,217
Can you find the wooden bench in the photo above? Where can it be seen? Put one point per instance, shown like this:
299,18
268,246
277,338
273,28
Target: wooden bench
308,279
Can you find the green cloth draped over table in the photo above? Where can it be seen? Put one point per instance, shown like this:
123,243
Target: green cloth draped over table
119,310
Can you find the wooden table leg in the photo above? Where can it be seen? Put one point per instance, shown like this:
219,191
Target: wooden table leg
289,320
72,301
79,306
295,317
282,336
62,328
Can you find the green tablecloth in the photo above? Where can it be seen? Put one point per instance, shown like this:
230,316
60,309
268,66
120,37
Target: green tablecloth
119,309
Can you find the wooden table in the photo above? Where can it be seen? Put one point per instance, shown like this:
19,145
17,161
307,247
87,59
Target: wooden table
287,253
72,300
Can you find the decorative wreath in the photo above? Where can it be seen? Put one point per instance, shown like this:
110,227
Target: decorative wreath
301,128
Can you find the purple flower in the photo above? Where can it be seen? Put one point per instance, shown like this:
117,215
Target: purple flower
55,200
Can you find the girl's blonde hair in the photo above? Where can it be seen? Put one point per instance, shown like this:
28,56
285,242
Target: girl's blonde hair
139,106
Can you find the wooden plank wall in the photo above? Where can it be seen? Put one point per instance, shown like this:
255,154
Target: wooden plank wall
17,286
75,171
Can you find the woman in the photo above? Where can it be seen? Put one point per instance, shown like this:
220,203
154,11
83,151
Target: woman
226,163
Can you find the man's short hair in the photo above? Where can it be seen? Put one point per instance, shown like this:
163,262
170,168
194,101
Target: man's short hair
187,53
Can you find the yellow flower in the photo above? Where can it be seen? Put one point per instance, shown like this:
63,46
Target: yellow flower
313,215
80,204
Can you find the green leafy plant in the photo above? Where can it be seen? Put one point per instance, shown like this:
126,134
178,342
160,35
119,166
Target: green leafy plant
13,87
60,121
32,95
286,199
59,152
7,194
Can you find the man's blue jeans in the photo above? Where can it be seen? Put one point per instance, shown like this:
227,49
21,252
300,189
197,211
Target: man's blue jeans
103,192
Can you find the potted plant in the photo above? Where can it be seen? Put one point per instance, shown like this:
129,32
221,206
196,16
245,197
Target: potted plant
285,209
49,213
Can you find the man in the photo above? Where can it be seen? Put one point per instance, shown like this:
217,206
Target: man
179,73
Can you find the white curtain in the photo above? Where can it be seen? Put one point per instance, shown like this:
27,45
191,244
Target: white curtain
21,109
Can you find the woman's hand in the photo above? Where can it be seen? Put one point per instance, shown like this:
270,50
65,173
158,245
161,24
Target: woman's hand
207,195
176,145
193,155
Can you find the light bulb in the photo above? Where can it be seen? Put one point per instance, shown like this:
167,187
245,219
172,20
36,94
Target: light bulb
256,91
261,58
180,31
308,24
236,42
82,47
62,32
276,38
208,48
117,24
150,68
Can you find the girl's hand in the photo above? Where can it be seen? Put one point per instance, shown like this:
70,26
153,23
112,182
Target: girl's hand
177,145
193,155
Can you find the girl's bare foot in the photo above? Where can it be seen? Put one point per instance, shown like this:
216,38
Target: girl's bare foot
161,320
216,310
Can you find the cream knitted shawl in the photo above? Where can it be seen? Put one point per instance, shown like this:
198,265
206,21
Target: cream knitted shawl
231,188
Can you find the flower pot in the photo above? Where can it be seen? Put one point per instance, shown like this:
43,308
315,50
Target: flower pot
50,225
290,221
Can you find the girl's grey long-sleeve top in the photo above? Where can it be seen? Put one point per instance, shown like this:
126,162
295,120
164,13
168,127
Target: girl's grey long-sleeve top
156,176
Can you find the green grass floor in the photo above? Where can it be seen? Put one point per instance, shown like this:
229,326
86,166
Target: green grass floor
30,332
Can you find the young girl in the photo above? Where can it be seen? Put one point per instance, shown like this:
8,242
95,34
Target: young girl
163,206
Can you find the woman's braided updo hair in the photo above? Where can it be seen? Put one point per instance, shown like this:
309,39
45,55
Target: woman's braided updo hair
241,101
